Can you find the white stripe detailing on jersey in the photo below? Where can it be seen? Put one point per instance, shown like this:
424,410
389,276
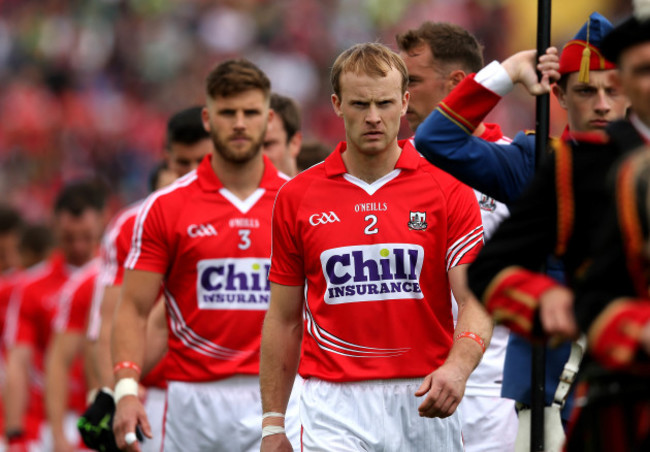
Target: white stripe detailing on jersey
463,245
110,265
283,176
376,185
328,342
195,342
67,292
136,242
242,205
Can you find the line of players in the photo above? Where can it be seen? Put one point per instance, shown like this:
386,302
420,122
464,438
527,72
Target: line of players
197,254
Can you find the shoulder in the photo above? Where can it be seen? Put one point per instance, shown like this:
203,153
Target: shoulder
298,185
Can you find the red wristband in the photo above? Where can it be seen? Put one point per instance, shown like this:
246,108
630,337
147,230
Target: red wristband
126,365
475,337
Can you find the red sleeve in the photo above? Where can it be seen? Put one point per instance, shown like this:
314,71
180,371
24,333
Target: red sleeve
122,247
464,226
286,259
150,243
74,307
615,336
468,104
25,303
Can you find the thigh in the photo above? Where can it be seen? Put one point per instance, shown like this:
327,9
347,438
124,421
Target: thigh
489,424
154,406
371,416
212,417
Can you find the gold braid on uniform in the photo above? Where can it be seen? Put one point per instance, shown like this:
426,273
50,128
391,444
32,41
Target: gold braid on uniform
564,191
633,171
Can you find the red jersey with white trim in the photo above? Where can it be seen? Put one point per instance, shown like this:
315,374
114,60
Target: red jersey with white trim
116,244
72,316
375,258
75,297
214,252
31,311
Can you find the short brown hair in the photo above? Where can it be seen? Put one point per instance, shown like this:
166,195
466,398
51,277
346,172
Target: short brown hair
234,77
289,113
449,43
371,58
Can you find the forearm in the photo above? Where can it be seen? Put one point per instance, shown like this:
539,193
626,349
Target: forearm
156,337
103,360
128,338
466,353
280,354
56,394
16,391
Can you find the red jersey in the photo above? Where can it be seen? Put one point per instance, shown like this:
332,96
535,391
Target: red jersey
75,297
214,252
375,259
115,247
31,311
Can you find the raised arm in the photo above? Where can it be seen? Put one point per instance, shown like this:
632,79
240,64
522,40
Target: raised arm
447,138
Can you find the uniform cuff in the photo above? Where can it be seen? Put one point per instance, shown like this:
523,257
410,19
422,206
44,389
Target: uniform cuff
614,337
495,78
513,298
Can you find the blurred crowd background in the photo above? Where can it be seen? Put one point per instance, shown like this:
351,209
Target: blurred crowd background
86,87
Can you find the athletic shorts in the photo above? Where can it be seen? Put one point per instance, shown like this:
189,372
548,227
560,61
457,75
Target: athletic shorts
489,424
224,415
377,415
154,406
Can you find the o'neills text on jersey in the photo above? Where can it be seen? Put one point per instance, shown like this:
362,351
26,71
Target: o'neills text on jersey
233,283
371,207
386,271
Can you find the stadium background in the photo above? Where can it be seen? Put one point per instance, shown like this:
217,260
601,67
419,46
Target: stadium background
86,87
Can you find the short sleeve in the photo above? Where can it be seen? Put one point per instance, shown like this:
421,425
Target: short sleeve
464,226
287,265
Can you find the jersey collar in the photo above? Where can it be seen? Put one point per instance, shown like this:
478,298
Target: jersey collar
409,158
209,181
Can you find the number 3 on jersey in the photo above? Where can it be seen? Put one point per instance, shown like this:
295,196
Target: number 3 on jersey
370,227
245,240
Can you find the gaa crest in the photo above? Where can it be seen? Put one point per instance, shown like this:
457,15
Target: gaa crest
417,221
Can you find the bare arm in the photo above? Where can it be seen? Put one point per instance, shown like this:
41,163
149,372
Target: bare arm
16,391
103,360
446,385
280,354
156,337
139,293
60,356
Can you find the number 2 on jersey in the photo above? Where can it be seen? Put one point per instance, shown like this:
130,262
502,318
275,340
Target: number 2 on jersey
370,228
244,236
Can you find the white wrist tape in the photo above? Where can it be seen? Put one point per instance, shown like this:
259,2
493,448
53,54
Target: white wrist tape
125,387
271,430
272,414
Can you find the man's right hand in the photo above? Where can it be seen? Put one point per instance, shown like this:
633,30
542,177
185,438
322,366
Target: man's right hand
276,443
521,69
96,424
129,414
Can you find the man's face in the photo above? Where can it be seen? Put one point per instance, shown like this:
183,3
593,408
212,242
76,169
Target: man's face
591,106
371,108
635,79
237,124
278,149
427,84
79,236
9,254
183,158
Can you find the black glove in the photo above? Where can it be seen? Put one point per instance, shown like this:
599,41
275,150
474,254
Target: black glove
96,424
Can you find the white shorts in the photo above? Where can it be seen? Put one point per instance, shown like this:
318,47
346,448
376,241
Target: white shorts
489,424
224,415
154,406
377,415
